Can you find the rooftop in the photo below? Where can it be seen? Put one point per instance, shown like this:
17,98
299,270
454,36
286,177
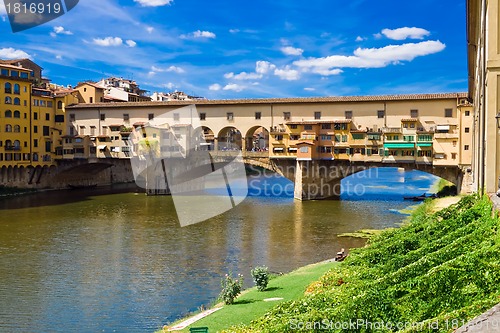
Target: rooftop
330,99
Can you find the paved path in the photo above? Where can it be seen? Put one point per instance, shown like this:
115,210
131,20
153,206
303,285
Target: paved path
488,322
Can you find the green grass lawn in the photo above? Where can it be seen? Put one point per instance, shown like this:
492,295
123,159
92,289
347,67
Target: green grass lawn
250,304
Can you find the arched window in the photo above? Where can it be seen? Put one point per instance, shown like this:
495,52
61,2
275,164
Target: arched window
17,89
17,101
8,143
17,144
8,88
8,114
8,100
59,105
17,114
8,128
17,128
35,157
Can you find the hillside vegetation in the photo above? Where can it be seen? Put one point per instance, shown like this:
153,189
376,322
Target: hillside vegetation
431,275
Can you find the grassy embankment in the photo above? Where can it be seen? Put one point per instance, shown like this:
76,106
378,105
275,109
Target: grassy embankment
439,270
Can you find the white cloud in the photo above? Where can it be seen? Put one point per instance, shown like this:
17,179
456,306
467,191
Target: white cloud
370,58
234,31
287,73
153,3
58,30
264,67
243,76
130,43
309,89
327,72
377,35
174,69
59,57
234,87
198,34
359,39
169,85
11,53
290,50
108,41
150,29
215,87
151,73
405,32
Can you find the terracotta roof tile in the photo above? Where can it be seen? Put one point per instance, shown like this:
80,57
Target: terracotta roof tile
292,100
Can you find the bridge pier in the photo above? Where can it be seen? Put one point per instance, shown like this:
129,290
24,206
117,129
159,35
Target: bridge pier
317,180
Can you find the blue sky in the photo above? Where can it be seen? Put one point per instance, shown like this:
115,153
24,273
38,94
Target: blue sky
252,49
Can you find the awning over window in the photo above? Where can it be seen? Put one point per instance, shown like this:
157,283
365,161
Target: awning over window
424,144
398,145
443,127
102,147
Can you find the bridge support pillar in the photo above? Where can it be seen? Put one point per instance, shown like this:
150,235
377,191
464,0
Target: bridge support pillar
315,180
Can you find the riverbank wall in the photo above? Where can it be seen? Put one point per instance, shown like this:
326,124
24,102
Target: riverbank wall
79,173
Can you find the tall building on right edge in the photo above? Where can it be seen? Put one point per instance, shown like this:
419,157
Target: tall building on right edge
483,47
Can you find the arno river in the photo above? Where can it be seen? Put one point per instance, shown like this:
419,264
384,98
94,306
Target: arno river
95,261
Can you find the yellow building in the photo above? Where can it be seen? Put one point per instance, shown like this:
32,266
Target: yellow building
483,42
15,116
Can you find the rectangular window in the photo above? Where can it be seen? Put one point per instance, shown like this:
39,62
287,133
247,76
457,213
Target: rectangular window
59,118
126,117
47,146
293,126
47,116
448,113
46,130
467,113
176,117
380,114
230,116
317,115
35,143
453,156
358,136
466,147
72,117
92,130
344,138
414,113
203,116
287,115
35,115
304,149
308,127
467,130
326,126
82,130
25,144
258,115
49,104
348,115
103,116
91,100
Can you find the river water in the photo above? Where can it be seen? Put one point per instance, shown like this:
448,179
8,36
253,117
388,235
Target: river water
113,260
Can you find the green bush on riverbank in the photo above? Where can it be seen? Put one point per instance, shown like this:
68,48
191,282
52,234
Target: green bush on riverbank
440,270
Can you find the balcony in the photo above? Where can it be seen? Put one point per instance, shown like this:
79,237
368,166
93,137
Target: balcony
12,148
391,130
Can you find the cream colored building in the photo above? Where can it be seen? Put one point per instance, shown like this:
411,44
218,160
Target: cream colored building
483,41
426,128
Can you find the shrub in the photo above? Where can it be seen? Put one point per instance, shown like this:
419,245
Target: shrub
260,276
231,288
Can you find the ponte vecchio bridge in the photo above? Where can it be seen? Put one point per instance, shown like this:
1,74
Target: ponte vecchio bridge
314,142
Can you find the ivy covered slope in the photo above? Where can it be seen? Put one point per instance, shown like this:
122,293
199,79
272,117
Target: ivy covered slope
439,271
